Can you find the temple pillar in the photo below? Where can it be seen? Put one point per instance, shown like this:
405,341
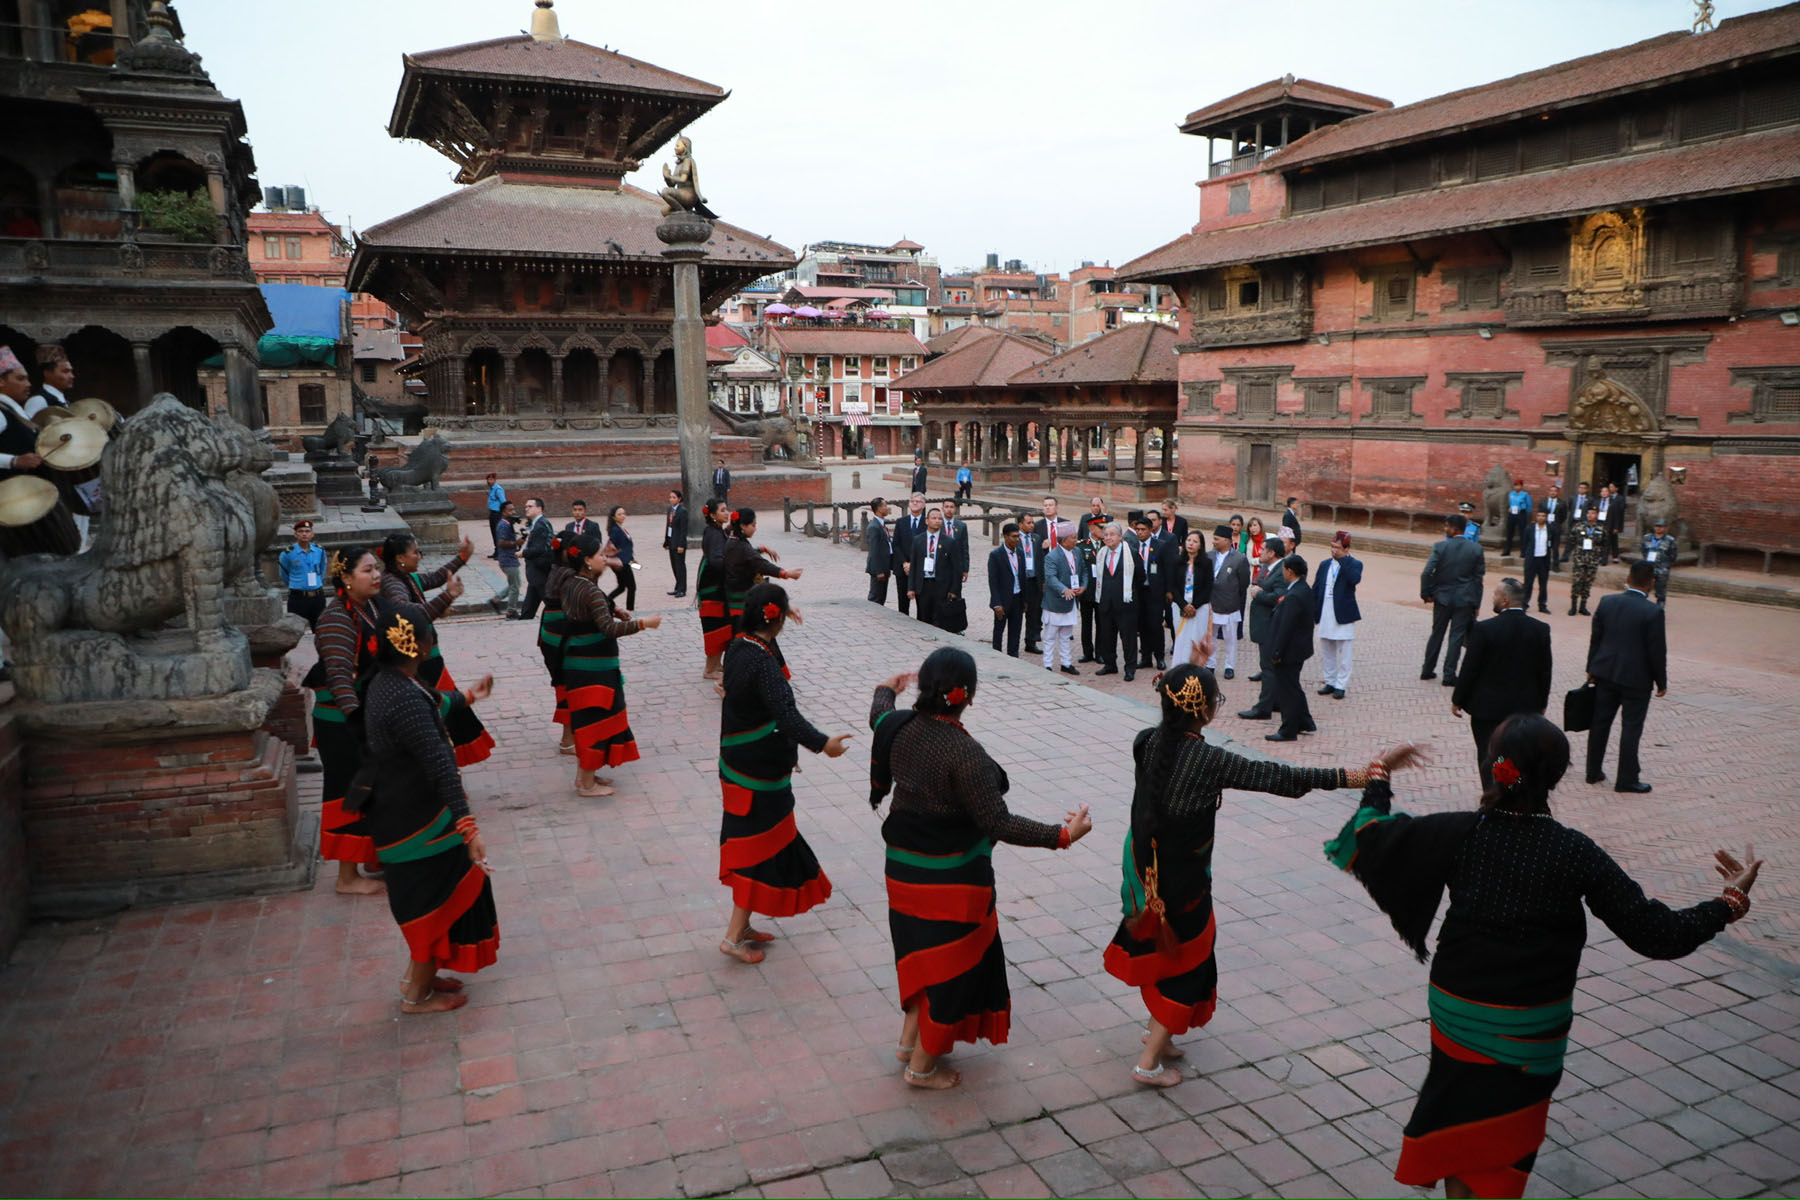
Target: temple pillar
1086,436
684,237
1137,454
556,384
1168,459
46,197
647,403
121,24
509,371
127,174
146,372
1112,453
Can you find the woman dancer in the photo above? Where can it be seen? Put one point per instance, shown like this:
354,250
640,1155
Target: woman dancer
746,563
709,587
949,809
1164,945
625,568
344,637
592,681
403,583
1503,979
1190,598
418,814
551,624
762,858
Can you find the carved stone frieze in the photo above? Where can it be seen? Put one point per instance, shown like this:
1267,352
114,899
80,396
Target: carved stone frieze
1605,406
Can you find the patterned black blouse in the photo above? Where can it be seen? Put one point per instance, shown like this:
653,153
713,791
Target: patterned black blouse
403,722
757,691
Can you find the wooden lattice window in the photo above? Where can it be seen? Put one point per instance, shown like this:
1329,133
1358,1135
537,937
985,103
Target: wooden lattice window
312,404
1412,174
1496,158
1306,195
1773,102
1594,139
1476,288
1783,403
1256,397
1376,182
1709,116
1391,398
1320,397
1546,148
1394,294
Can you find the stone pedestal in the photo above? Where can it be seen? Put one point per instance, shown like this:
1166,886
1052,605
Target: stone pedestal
296,489
338,482
269,646
14,865
127,803
429,513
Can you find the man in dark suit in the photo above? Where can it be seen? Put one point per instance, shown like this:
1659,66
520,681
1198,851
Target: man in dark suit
1006,588
1033,555
1505,670
538,556
958,529
721,480
1556,510
880,560
937,568
1615,520
906,531
1118,582
918,475
579,521
1451,584
1291,518
1096,513
1538,546
675,540
1153,601
1627,654
1269,585
1089,550
1290,645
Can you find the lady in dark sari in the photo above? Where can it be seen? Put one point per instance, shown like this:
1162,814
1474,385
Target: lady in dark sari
762,858
344,637
1164,944
1502,989
709,587
949,809
403,583
418,815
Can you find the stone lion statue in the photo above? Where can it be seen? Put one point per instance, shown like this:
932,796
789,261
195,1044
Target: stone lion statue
187,511
1656,501
424,466
337,438
774,431
1494,490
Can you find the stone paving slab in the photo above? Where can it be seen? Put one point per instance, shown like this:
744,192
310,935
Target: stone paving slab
254,1047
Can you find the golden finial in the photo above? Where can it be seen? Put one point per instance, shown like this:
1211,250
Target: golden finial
401,637
1190,697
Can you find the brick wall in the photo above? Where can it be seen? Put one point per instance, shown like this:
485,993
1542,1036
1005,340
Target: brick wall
14,874
182,806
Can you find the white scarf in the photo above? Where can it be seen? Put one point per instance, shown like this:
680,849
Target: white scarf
1114,556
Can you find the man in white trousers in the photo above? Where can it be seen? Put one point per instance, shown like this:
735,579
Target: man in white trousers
1335,611
1230,588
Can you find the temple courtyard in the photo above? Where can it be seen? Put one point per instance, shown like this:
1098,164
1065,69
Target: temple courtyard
255,1046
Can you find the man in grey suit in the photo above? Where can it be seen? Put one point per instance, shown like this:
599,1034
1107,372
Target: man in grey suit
1628,654
1271,586
1452,584
880,561
1231,585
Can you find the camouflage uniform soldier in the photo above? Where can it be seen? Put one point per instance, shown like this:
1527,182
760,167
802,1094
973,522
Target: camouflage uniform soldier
1588,546
1659,552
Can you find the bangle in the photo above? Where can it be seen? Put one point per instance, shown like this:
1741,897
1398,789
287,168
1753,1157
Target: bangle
1739,904
466,827
1732,889
1062,838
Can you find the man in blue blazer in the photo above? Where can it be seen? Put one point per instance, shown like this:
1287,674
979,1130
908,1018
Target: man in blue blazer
1007,585
1336,614
1065,579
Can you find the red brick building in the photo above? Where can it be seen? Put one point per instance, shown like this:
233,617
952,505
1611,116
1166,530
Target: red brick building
1577,271
840,378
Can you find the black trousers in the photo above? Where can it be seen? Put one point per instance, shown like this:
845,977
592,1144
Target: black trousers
1149,630
962,490
878,588
1612,546
1266,702
536,578
1290,699
494,529
1032,592
1537,570
1011,623
928,602
905,600
1457,620
1087,627
1556,555
678,568
625,582
307,604
1631,706
1118,624
1515,527
1483,730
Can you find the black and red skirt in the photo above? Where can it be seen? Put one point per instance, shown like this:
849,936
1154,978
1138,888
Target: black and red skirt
470,738
343,836
715,621
762,858
551,625
1174,971
443,903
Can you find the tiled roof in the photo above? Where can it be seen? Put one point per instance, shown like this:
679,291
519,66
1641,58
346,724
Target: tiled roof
906,244
566,61
498,215
724,336
812,292
1266,95
1143,352
1754,162
982,363
718,355
1629,68
950,339
853,340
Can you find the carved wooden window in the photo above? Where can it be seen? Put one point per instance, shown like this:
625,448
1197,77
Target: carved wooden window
1650,127
1496,158
1773,102
1394,295
1783,403
1543,263
1320,397
1201,397
1412,174
1776,395
1278,286
1486,400
1391,400
1340,189
1375,182
1709,116
1256,397
312,404
1476,288
1594,139
1215,296
1249,294
1237,199
1453,165
1483,394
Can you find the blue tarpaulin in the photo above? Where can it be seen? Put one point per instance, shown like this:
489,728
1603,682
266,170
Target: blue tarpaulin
308,324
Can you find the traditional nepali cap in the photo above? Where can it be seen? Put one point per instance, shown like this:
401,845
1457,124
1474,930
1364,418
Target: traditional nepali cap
1341,538
9,361
1064,529
1223,531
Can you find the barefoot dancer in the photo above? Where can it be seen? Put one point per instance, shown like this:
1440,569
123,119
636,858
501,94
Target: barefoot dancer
590,666
550,641
762,858
949,809
1164,944
419,816
403,583
344,636
1503,979
709,587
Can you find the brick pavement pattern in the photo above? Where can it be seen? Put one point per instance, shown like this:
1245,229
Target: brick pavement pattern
254,1047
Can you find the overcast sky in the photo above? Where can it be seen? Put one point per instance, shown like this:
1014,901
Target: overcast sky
1041,130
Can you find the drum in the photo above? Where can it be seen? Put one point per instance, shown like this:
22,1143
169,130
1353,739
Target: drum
71,449
96,410
33,519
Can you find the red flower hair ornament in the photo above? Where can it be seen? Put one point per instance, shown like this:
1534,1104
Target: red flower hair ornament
771,611
1506,772
957,696
734,515
372,644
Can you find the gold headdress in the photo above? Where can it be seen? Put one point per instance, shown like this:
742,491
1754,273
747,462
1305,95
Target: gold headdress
1190,697
401,637
335,566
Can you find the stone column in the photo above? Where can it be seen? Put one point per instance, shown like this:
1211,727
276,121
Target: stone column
509,369
127,196
146,373
1168,460
121,24
1137,454
1086,436
38,38
243,388
649,392
46,196
1112,453
685,234
556,385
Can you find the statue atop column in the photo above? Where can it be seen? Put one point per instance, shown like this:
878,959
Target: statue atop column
683,192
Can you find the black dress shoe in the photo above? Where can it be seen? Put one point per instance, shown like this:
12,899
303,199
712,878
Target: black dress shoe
1428,675
1250,714
1325,691
1069,671
1107,671
1144,664
1600,778
1159,663
1309,727
1337,693
1257,678
1087,658
1279,736
1584,610
1230,674
1449,681
515,616
1130,674
1542,609
1571,610
1640,786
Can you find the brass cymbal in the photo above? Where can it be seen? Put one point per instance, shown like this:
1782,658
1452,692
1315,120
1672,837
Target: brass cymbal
95,410
25,498
72,445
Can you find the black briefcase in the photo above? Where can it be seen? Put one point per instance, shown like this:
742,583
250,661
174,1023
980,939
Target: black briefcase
953,615
1578,709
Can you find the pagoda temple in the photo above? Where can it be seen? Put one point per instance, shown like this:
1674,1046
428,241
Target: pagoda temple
538,287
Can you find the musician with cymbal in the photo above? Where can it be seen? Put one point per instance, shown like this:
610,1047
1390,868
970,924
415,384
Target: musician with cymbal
31,521
55,376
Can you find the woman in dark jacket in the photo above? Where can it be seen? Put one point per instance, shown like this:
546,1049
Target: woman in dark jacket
709,586
625,573
403,583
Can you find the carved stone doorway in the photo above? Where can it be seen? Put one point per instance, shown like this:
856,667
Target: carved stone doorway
1611,464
